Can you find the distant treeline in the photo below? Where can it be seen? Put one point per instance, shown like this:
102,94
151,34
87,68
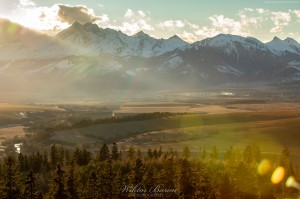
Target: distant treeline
111,174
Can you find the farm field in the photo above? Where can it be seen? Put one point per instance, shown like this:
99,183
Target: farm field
272,130
231,122
10,132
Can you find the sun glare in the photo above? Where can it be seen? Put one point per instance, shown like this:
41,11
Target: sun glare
264,167
278,175
292,183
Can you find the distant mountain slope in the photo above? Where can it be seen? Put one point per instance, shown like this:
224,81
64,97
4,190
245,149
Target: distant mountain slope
88,58
96,40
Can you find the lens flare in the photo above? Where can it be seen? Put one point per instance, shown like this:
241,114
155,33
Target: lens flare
264,167
292,183
278,175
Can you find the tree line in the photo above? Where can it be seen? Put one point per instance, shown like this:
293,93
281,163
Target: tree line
109,173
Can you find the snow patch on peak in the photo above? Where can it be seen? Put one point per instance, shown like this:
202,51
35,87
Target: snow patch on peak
294,64
280,47
292,41
141,35
174,62
229,69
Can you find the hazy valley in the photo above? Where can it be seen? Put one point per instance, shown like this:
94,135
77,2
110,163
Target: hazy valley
131,109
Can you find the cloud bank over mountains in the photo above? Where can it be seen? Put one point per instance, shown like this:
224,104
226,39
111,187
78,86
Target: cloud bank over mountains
258,22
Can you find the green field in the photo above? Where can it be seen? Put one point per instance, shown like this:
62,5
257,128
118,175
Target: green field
272,130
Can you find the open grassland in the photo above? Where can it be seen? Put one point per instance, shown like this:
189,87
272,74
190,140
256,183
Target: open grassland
271,135
6,108
208,106
14,113
270,129
11,132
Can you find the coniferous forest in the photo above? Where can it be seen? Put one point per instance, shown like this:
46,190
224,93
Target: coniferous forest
111,173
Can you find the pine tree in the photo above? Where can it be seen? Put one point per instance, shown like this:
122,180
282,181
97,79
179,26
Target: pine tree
183,175
68,157
21,160
167,177
155,153
284,157
115,152
148,180
226,188
53,157
242,175
256,153
139,154
11,177
160,153
107,177
150,154
116,188
201,182
71,184
186,152
92,188
138,172
214,154
30,189
45,162
84,157
203,155
248,155
57,186
130,153
61,155
104,153
229,155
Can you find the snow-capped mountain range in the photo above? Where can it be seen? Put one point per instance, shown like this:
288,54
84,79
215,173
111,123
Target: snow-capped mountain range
89,57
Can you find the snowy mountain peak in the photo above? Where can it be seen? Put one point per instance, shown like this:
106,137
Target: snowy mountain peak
280,47
291,41
276,39
76,26
175,37
141,35
232,44
221,40
90,27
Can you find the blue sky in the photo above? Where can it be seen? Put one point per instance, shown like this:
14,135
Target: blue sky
192,20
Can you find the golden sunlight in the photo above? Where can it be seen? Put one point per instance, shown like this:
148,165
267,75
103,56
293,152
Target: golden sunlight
264,167
278,175
291,182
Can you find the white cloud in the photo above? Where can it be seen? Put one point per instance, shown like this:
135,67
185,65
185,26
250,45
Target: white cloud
55,18
221,24
188,37
25,3
129,14
206,32
172,24
280,20
193,26
248,9
141,13
38,18
297,13
247,22
260,10
79,13
133,22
